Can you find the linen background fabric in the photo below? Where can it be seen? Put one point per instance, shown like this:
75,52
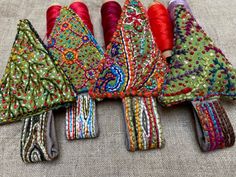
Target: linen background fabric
107,156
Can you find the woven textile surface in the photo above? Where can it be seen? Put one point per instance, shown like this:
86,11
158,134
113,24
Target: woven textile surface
107,156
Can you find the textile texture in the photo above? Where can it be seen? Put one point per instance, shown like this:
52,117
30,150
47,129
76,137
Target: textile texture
31,83
107,156
133,65
79,60
38,140
81,120
198,69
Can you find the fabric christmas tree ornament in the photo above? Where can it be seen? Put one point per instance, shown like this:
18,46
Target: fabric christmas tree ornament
38,139
76,51
32,84
201,74
134,71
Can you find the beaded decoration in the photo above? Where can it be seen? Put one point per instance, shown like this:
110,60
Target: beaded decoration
142,123
81,122
38,139
32,84
200,73
198,70
76,51
133,64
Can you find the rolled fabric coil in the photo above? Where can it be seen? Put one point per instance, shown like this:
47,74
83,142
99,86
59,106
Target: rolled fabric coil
142,122
38,139
213,127
81,120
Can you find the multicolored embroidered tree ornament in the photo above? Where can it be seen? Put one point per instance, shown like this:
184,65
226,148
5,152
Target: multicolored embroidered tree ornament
200,73
76,51
134,67
32,84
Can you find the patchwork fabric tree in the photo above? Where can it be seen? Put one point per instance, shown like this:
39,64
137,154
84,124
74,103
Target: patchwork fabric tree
200,73
134,70
32,84
76,51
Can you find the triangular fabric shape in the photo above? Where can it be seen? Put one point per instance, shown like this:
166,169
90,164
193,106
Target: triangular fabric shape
75,49
199,70
133,63
32,84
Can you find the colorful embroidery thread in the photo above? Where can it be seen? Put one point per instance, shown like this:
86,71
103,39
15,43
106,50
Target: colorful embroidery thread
143,124
78,54
200,73
32,84
133,64
213,126
81,122
75,49
38,139
198,70
134,67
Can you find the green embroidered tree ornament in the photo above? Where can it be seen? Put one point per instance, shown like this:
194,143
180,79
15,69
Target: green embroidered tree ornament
77,52
199,70
32,84
201,74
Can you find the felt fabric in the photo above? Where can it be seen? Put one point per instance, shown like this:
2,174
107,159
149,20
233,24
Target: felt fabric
31,84
76,51
38,139
81,120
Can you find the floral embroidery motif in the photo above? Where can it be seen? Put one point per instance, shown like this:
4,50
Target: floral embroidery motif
32,84
133,69
69,57
133,64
